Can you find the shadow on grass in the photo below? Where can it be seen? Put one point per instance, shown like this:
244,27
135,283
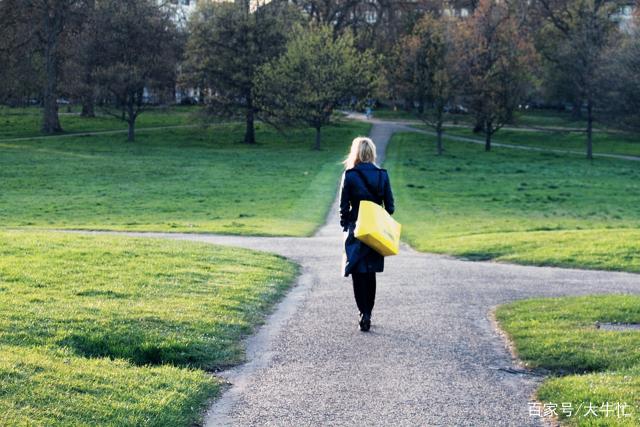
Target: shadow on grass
133,342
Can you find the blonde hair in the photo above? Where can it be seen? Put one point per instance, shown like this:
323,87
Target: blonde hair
362,150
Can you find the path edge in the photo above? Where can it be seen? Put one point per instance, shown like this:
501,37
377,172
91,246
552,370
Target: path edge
257,350
511,348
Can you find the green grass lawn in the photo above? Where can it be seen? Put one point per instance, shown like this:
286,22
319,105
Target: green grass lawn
103,330
517,206
26,122
194,179
43,387
117,331
588,365
524,118
549,118
603,142
388,113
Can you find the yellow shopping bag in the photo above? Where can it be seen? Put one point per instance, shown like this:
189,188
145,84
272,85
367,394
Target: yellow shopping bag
377,229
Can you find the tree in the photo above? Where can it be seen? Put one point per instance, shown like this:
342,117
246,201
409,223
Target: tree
53,17
375,23
20,72
228,43
137,46
574,42
79,69
43,25
621,76
316,73
339,14
494,59
421,68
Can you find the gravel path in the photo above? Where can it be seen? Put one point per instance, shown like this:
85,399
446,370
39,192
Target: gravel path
431,357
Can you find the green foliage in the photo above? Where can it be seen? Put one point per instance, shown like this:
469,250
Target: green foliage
227,44
82,317
316,73
528,207
189,179
560,335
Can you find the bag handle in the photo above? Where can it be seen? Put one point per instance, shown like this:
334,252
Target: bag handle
368,186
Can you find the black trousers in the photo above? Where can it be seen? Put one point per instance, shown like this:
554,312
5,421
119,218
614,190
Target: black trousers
364,289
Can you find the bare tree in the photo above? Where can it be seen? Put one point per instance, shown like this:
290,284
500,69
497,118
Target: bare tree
375,24
574,41
42,25
620,80
137,54
20,77
421,68
85,61
495,57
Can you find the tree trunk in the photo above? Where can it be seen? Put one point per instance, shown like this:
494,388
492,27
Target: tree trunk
487,136
439,138
50,119
131,135
250,132
88,109
576,110
589,130
88,85
509,116
317,145
131,120
88,98
479,126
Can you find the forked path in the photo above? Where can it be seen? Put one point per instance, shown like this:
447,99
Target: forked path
431,358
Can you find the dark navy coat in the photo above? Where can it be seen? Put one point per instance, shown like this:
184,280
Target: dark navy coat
358,257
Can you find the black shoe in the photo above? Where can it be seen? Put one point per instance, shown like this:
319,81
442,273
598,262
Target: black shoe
365,322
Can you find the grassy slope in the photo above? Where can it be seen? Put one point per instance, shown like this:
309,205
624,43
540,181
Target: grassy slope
613,143
25,122
528,207
90,325
559,335
56,388
531,118
194,180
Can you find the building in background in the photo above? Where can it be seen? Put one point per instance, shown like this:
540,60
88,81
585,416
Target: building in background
624,16
182,10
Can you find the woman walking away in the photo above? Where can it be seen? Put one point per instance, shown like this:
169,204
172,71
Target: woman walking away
362,180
